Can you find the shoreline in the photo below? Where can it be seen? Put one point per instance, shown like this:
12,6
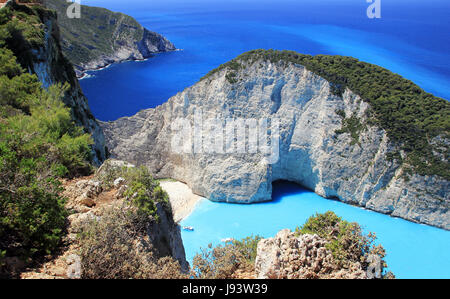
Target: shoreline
184,201
83,74
181,197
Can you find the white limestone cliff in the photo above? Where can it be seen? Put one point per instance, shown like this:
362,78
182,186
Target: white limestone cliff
311,153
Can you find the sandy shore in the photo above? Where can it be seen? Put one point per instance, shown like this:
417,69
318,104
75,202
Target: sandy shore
182,199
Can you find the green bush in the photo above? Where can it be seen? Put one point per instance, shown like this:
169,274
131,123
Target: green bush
346,240
109,248
34,216
222,261
353,126
143,192
21,27
247,247
35,149
39,143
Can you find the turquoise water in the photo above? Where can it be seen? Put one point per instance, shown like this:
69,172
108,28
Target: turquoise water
411,39
413,250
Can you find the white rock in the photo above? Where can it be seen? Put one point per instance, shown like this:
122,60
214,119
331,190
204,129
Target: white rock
311,153
118,182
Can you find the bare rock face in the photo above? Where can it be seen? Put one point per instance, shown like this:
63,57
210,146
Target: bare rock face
288,256
311,153
165,235
83,193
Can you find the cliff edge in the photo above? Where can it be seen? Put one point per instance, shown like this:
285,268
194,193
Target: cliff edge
101,37
40,53
383,146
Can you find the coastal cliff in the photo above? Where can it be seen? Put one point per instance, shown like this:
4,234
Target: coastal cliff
332,140
45,149
44,58
101,37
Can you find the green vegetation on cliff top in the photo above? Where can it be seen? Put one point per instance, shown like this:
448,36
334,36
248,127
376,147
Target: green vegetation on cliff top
99,32
38,144
416,121
345,240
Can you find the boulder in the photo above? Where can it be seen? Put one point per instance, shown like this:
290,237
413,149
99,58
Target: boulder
305,256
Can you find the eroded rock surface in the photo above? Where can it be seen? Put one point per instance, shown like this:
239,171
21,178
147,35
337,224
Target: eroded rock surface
305,256
311,153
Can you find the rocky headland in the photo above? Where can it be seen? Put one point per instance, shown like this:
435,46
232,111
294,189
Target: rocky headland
332,140
101,37
301,257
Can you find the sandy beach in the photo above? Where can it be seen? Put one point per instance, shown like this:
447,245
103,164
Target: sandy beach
182,199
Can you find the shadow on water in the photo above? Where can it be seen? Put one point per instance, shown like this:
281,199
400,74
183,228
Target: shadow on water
283,188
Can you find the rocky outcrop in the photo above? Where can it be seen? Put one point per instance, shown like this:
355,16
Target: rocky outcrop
51,67
311,152
164,234
89,198
101,37
150,44
299,257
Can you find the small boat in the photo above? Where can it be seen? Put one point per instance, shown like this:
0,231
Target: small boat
189,228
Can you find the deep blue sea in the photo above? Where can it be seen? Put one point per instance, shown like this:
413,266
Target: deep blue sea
411,38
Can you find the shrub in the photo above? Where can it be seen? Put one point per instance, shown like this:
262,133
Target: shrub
222,261
39,143
353,126
219,262
247,247
116,247
32,218
143,191
346,240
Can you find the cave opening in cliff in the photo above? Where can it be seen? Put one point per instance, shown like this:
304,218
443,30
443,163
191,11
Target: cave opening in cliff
281,188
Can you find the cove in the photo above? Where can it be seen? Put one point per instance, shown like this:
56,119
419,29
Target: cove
413,250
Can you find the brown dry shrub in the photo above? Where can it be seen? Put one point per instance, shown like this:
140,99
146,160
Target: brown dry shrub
223,261
115,246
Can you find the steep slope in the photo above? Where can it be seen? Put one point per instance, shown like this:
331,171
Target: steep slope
101,37
93,201
40,146
40,53
331,140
